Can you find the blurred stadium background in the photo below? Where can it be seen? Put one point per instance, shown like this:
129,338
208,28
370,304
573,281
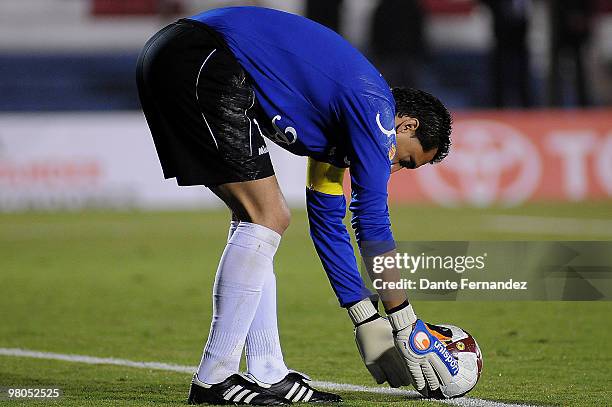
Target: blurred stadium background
529,82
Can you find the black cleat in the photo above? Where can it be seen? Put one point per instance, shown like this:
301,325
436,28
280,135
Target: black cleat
295,388
235,390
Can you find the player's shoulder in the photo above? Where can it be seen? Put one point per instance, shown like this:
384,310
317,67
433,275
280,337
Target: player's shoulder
240,11
253,18
367,94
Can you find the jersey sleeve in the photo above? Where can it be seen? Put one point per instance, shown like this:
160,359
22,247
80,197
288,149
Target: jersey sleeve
370,124
326,207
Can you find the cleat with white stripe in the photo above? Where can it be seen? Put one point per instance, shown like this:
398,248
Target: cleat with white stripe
235,390
294,388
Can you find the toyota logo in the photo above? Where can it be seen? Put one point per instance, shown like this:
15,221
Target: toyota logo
490,162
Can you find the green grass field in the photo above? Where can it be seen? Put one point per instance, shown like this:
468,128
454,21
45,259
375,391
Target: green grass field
137,286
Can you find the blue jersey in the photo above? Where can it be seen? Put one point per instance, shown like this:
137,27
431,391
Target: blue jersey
324,100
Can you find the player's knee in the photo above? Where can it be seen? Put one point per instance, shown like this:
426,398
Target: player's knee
279,218
283,218
276,218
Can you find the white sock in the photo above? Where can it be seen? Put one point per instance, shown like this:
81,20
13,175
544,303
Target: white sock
245,264
263,350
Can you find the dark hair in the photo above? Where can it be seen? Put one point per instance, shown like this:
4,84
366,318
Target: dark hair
434,119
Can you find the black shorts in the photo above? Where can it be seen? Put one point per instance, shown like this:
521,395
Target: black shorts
200,105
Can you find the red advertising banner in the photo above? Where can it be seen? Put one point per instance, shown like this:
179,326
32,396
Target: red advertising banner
120,7
135,7
516,156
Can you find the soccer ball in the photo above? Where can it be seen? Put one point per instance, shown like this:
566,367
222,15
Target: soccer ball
463,347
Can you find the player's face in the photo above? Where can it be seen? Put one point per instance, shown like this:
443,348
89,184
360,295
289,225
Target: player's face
409,153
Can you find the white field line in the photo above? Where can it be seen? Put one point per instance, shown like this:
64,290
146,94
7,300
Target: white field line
549,225
92,360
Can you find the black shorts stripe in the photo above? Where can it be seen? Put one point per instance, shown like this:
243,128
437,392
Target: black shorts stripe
198,99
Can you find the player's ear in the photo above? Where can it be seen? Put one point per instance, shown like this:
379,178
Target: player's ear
413,123
408,124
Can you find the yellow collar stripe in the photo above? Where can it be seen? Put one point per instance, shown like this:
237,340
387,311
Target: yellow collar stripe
325,178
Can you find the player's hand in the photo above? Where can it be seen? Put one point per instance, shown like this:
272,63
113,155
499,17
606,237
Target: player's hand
429,363
376,345
377,349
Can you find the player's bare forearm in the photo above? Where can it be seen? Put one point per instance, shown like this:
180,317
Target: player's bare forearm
388,281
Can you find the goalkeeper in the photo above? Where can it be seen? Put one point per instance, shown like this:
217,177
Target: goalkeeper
212,87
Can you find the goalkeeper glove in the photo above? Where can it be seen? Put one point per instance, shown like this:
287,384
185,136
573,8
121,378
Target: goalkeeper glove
429,363
376,346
